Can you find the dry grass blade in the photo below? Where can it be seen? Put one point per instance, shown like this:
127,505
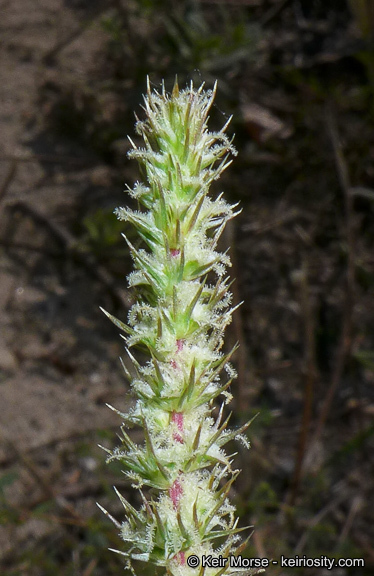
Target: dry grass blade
71,246
344,347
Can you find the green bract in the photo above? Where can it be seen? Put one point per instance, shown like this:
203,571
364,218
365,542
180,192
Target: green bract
181,311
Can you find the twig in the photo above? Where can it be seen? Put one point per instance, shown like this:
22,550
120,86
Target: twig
47,158
317,519
355,508
50,56
90,568
60,501
121,297
310,373
258,543
8,179
25,246
365,544
273,12
256,228
254,3
346,335
9,459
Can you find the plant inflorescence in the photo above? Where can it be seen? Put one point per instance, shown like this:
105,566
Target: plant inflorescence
182,307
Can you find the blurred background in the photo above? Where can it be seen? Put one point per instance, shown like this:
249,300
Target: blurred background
298,77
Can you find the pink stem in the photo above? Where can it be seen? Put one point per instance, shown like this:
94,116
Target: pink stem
180,558
175,492
177,418
180,344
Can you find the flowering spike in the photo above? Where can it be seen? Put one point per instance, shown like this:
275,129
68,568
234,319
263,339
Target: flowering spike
178,318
